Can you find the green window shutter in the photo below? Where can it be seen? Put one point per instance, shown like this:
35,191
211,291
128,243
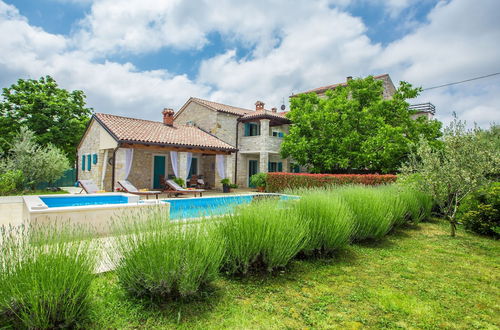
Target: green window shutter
280,167
83,162
247,129
89,162
258,129
94,159
280,134
269,166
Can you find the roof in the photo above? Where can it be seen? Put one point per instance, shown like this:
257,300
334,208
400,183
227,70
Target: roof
323,89
125,129
266,114
221,107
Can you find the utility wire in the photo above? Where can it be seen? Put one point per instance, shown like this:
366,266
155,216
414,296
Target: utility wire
460,82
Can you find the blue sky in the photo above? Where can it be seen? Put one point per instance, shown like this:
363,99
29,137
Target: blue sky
136,57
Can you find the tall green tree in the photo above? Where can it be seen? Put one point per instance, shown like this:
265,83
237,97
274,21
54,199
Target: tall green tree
355,128
55,115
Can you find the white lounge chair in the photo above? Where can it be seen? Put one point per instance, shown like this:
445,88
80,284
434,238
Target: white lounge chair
175,189
89,186
130,188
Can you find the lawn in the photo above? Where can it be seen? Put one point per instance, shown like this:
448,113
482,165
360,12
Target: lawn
416,277
36,192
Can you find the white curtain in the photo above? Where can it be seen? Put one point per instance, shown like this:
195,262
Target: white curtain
219,161
175,164
129,156
189,160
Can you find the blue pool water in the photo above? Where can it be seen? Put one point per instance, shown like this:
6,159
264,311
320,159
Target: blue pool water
208,206
54,201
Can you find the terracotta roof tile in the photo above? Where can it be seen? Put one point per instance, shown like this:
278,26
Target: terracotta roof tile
265,114
325,88
146,131
223,107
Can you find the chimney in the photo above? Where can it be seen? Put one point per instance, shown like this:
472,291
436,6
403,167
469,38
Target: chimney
349,78
259,105
168,117
274,109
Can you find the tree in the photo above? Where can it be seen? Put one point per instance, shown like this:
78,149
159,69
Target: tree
355,128
468,160
55,115
37,163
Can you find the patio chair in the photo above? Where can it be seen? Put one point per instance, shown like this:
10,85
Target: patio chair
176,190
89,186
131,189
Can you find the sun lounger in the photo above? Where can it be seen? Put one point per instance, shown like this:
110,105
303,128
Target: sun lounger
89,186
131,189
174,189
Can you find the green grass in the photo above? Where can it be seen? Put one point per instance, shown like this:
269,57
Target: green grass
36,192
330,221
416,277
45,276
261,236
164,260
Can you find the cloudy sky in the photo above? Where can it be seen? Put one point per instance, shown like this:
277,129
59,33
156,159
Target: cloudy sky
135,57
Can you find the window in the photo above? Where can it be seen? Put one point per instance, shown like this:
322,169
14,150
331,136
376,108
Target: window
275,167
278,134
89,162
252,129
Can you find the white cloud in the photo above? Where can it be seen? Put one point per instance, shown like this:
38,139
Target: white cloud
294,48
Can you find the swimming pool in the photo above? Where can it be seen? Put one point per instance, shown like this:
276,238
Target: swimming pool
209,206
63,201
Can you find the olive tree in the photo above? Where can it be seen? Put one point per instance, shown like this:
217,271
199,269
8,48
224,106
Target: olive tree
466,161
37,163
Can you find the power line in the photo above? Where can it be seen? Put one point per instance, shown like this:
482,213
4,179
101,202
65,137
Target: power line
463,81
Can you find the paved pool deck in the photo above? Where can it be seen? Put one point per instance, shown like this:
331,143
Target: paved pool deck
11,207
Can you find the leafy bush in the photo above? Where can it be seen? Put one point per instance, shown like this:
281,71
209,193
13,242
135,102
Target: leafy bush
37,164
262,235
480,211
330,221
180,181
408,205
10,181
277,182
45,276
162,260
225,181
373,210
259,180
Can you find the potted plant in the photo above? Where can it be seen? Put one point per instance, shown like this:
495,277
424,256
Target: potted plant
179,181
226,185
259,180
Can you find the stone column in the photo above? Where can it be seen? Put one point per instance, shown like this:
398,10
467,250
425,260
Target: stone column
264,133
264,162
286,164
230,167
182,158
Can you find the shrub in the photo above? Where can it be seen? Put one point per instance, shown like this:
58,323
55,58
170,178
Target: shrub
180,181
407,204
164,260
330,221
262,235
480,212
282,181
259,180
373,210
45,276
10,181
38,164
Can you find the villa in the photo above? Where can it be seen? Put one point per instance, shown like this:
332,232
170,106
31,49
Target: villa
203,138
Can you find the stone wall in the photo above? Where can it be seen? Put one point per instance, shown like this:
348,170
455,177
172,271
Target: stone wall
95,141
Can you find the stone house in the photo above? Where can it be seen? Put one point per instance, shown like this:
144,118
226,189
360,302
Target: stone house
255,133
426,110
115,148
203,138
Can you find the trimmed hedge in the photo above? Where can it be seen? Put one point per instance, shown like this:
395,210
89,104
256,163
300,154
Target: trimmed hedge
282,181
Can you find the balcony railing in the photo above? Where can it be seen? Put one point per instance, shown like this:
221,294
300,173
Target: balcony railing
423,107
